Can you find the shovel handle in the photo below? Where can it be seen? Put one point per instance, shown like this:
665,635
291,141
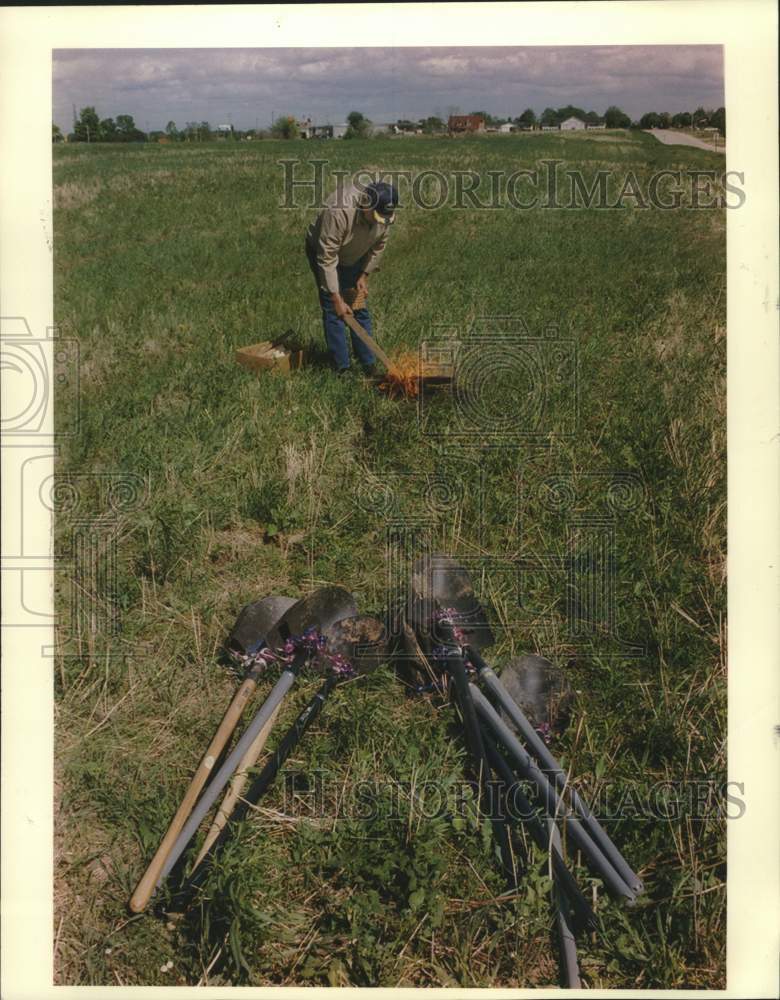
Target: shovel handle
369,341
237,785
145,888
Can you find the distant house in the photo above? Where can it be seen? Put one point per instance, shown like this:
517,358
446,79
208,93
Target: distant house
590,125
324,131
466,123
572,124
506,127
550,128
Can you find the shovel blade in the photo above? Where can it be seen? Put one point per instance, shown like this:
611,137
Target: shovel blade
319,610
541,690
441,582
254,623
361,639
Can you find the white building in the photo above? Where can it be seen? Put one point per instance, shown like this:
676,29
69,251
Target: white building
506,127
602,125
327,131
571,124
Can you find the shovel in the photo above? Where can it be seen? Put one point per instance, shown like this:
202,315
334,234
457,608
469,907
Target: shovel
317,611
370,343
450,586
248,634
422,611
354,646
567,893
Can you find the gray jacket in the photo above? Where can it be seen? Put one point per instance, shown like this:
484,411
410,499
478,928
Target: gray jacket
340,235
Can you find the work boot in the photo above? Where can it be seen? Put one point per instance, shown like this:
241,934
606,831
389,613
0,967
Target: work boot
369,370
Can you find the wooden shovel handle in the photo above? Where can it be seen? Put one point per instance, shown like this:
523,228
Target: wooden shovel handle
145,888
370,343
237,785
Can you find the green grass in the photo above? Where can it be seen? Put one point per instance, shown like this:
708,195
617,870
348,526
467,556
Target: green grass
167,259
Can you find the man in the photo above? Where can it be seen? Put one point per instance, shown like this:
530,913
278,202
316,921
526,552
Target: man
343,246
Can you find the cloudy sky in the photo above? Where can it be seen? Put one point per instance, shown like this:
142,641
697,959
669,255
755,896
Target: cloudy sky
248,86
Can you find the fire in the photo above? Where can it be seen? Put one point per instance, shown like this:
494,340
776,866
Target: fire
402,381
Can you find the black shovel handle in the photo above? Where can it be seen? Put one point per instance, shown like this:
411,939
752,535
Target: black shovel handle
456,667
583,912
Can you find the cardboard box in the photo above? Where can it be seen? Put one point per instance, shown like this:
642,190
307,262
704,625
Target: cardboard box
265,356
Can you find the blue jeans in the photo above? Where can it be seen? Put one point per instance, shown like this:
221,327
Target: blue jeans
335,330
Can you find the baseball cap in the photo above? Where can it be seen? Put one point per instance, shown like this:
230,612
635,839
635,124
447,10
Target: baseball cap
383,198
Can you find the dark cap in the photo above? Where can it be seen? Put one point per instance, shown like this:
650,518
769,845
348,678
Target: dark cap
383,198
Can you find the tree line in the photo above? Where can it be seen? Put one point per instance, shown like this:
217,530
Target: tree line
700,118
89,127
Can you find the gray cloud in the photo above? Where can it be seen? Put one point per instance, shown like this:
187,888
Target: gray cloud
249,85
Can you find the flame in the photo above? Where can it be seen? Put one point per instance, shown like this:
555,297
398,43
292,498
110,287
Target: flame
402,381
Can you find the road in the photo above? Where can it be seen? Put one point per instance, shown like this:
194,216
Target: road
670,137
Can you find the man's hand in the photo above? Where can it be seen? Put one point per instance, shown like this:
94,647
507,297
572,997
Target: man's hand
340,307
362,284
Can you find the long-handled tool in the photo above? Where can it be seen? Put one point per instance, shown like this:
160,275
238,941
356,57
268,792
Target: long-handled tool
353,646
246,634
517,808
444,580
369,629
454,664
569,963
550,798
555,772
568,899
316,612
421,610
369,341
237,784
254,622
425,599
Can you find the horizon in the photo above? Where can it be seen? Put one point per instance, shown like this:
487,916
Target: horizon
242,87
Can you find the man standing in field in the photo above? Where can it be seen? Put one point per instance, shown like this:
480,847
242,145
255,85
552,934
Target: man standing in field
343,246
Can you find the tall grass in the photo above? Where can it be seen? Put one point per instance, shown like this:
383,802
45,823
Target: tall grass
167,259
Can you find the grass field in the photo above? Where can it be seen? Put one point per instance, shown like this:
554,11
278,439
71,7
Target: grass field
168,258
